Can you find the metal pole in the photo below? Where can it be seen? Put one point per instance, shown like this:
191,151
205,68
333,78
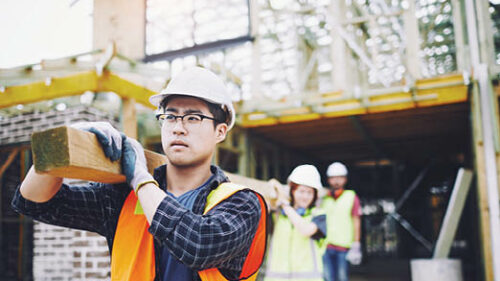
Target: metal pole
481,73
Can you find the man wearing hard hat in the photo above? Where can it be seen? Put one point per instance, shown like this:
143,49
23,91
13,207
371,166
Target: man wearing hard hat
343,211
191,223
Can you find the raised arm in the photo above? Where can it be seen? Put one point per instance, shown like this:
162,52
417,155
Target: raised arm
39,188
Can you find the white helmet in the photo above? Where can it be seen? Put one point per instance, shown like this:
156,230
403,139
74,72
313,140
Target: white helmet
306,175
200,83
336,169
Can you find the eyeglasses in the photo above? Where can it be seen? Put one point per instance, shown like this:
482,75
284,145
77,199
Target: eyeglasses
188,120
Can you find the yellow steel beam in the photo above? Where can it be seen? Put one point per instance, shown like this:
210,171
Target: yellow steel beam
76,84
49,89
125,89
427,92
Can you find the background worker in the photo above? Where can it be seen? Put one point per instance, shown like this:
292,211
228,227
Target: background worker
184,234
299,228
343,211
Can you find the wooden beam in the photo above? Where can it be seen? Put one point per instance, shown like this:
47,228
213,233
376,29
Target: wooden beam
49,89
70,153
125,89
453,214
10,158
129,119
482,192
122,22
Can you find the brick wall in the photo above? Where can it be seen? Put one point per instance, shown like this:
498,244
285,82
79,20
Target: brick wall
18,129
60,253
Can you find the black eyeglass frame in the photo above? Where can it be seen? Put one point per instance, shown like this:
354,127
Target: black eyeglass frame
182,117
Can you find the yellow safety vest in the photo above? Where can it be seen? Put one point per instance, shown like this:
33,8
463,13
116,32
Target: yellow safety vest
133,255
339,223
293,256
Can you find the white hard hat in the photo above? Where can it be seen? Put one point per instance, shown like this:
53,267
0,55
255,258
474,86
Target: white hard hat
306,175
200,83
336,169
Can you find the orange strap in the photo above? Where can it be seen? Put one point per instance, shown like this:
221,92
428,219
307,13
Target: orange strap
133,256
255,255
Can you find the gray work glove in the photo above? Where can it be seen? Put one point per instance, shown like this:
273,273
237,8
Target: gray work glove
134,164
109,138
354,255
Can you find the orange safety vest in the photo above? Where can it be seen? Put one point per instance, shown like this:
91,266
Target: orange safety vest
133,256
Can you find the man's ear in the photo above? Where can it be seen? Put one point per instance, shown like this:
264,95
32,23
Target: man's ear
220,132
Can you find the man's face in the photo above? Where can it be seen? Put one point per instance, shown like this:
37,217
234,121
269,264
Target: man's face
187,146
337,182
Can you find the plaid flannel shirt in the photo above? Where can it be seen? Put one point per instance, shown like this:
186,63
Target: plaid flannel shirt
221,238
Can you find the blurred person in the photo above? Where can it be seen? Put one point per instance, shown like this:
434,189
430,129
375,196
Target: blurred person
299,228
343,211
195,224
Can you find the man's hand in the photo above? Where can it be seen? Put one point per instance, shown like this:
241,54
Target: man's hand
354,254
109,138
134,164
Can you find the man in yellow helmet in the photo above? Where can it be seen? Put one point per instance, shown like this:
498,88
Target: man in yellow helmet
195,224
343,211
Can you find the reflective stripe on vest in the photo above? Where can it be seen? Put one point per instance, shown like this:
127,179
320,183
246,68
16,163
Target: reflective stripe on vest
339,223
134,259
293,256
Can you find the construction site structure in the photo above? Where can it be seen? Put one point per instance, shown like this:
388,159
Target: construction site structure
403,92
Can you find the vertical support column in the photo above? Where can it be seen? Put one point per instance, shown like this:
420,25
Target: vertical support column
21,221
276,163
339,52
490,134
482,191
412,41
491,169
244,155
122,22
265,165
256,86
129,119
458,29
252,159
487,56
25,230
485,33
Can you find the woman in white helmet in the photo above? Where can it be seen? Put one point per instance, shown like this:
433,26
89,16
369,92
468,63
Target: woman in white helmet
299,228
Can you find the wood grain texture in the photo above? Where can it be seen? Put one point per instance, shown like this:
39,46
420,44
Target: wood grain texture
70,153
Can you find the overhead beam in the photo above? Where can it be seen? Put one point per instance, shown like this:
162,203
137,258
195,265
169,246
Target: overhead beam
72,85
71,153
199,49
51,88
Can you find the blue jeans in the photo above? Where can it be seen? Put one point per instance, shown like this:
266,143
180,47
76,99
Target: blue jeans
335,265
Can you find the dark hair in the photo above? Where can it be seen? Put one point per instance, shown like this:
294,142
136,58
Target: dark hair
220,115
294,186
